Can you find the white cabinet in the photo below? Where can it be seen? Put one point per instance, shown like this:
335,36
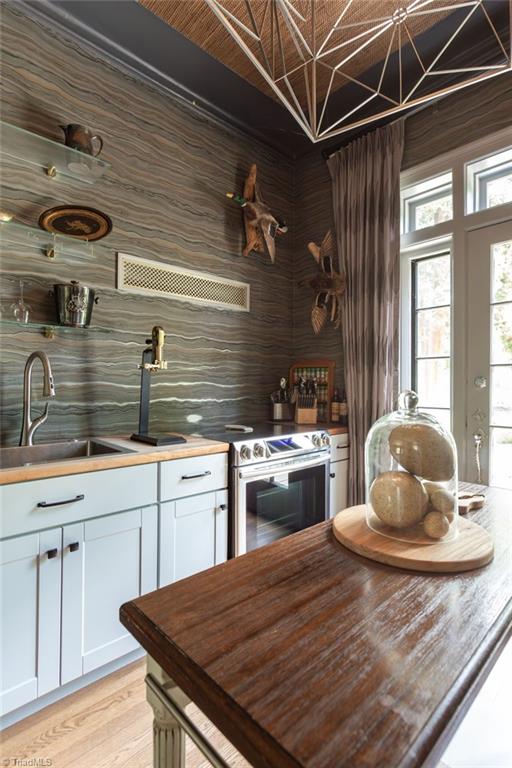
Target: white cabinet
338,490
193,535
76,548
188,477
30,579
105,562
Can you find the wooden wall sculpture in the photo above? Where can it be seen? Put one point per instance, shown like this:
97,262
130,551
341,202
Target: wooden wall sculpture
261,226
327,284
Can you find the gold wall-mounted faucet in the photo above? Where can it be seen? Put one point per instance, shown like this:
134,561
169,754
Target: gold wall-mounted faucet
152,362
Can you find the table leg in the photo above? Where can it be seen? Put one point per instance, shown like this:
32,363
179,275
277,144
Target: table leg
168,735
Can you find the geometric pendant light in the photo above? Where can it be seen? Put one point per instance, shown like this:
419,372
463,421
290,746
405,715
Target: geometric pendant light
340,64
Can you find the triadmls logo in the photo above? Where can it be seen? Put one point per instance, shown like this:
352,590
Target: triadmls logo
27,762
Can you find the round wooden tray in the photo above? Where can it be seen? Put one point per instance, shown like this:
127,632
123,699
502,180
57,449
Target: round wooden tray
472,548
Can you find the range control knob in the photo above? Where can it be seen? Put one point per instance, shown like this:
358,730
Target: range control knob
245,452
317,440
326,440
259,450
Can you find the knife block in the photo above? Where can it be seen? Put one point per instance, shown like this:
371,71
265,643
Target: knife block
306,415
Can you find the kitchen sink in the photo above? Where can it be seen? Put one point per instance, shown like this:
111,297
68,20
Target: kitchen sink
60,451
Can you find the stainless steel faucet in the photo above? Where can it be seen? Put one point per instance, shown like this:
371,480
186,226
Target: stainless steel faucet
29,426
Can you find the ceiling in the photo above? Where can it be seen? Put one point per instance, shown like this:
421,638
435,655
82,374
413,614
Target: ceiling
182,45
195,20
384,55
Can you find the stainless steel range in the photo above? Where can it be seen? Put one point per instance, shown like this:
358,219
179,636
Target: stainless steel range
279,483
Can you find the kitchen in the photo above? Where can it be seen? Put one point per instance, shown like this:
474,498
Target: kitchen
174,144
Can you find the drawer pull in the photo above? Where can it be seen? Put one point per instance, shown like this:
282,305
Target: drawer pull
51,554
333,474
74,547
206,473
80,497
341,447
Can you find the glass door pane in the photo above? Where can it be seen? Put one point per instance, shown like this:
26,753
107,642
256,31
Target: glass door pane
490,353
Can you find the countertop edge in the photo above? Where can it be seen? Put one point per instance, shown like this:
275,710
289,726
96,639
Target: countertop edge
262,754
101,463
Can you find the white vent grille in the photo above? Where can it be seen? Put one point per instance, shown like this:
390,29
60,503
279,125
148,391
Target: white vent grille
152,278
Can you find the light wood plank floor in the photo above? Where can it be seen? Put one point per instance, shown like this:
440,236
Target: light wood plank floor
106,725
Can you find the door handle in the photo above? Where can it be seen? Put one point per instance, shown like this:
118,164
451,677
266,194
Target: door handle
198,474
80,497
223,506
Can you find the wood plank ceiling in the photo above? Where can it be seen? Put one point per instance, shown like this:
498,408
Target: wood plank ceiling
196,21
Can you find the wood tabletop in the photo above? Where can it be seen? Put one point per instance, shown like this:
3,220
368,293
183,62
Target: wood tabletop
305,654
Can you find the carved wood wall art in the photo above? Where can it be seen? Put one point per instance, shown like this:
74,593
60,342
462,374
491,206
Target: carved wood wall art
261,226
327,284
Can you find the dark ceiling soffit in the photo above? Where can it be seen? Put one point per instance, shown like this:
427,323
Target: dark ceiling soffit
150,49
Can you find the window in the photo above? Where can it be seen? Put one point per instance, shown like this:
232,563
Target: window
427,203
456,300
489,181
430,292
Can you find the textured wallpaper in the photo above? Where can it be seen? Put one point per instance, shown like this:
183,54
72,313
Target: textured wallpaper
165,193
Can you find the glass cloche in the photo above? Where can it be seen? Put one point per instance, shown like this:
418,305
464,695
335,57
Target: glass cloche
411,476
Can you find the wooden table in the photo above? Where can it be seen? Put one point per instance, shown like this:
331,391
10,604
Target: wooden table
304,654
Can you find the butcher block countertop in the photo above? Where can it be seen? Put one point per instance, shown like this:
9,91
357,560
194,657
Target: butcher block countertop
304,654
141,454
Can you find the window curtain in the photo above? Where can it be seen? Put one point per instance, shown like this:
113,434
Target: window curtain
366,196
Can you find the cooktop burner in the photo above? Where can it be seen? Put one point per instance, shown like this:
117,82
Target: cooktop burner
270,442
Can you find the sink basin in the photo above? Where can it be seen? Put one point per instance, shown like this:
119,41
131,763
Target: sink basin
67,449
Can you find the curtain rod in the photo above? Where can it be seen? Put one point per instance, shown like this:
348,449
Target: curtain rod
404,117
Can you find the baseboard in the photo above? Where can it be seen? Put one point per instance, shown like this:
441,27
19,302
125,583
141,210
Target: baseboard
65,690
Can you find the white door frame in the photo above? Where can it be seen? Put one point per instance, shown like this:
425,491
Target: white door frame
430,240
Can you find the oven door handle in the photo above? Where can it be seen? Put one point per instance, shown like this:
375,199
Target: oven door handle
271,468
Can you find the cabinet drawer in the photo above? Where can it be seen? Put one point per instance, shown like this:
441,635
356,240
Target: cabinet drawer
338,442
188,477
85,496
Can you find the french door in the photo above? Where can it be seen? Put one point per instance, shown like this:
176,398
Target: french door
489,355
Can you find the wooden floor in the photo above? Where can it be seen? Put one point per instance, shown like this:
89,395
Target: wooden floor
109,725
106,725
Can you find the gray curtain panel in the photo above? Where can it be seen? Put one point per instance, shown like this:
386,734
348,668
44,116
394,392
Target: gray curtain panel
366,196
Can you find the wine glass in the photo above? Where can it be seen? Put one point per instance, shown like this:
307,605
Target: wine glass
19,308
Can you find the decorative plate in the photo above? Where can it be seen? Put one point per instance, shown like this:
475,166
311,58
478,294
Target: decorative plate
76,221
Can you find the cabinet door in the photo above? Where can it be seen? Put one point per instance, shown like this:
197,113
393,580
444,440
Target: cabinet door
193,535
30,578
106,561
338,487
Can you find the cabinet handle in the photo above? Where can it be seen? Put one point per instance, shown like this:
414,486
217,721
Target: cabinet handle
199,474
74,546
341,447
51,554
333,474
80,497
223,506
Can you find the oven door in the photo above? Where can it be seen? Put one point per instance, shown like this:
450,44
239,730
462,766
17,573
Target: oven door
275,499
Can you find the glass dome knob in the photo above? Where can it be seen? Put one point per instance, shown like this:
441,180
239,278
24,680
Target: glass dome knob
408,401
